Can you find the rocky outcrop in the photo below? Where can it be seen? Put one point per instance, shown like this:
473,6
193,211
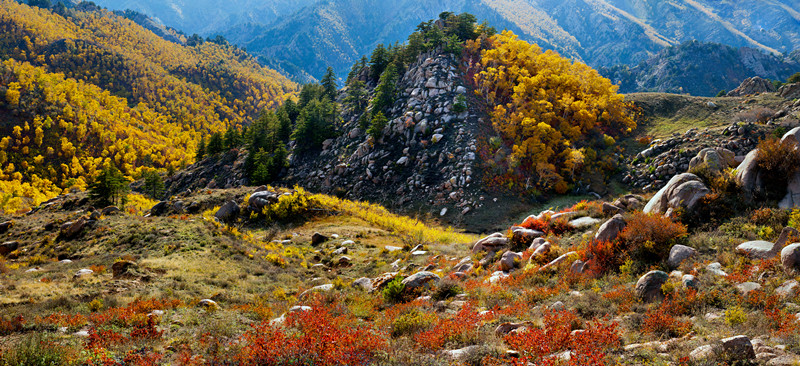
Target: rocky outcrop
715,159
682,191
790,91
427,152
753,85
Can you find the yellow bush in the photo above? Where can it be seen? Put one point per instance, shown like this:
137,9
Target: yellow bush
550,112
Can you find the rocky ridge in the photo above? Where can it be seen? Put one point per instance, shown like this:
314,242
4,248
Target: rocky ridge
427,152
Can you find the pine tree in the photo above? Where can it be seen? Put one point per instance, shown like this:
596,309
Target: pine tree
377,125
109,188
386,90
378,62
232,138
215,144
153,185
201,148
329,83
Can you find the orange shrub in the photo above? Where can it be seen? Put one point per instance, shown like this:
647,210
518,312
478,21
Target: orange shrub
320,338
460,329
663,324
777,161
547,225
649,237
588,346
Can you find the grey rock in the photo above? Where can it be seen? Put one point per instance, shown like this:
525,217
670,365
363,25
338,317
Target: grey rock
611,228
318,239
490,244
72,229
228,213
82,273
683,190
648,287
363,283
747,287
790,259
788,289
680,253
510,260
738,347
716,269
421,280
584,222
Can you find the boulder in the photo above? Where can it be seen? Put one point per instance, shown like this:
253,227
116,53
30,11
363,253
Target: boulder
378,283
611,228
464,265
462,354
788,289
363,283
689,281
577,266
159,209
748,174
738,348
208,304
792,197
702,353
716,269
648,288
683,190
609,209
747,287
753,85
790,91
584,222
71,229
536,243
318,239
294,309
510,260
316,289
507,327
760,249
82,273
490,244
111,210
8,247
123,269
680,253
521,237
420,280
5,226
716,159
555,262
228,212
259,200
790,259
542,250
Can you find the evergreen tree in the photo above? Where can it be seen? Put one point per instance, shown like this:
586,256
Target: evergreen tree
377,125
329,83
378,62
315,124
284,132
46,4
386,90
357,96
201,148
215,145
109,188
153,185
291,109
232,138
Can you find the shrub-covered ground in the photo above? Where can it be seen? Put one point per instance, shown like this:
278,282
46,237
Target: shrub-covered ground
276,298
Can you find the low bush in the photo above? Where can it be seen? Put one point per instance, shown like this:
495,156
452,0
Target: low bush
394,290
778,162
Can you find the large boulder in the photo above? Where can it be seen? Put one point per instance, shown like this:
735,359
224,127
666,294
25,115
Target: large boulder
228,212
71,229
682,191
738,348
420,280
748,174
790,91
714,158
8,247
611,228
753,85
648,288
490,244
124,269
259,200
790,259
5,226
522,238
510,260
680,253
760,249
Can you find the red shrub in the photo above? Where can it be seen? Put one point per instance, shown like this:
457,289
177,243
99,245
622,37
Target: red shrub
588,346
460,329
320,339
662,323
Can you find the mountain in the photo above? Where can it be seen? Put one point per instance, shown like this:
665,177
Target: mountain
84,89
701,69
303,40
208,17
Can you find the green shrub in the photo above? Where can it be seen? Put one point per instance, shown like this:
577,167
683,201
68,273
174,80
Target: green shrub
394,291
412,322
36,350
445,290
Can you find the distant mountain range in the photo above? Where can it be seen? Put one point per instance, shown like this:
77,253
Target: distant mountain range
302,38
701,69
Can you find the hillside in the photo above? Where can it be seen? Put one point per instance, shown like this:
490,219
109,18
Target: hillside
87,89
303,41
700,69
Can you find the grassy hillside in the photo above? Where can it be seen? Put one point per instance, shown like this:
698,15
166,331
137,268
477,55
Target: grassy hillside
85,89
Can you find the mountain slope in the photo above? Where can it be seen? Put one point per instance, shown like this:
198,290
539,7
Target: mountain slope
701,69
302,41
83,90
